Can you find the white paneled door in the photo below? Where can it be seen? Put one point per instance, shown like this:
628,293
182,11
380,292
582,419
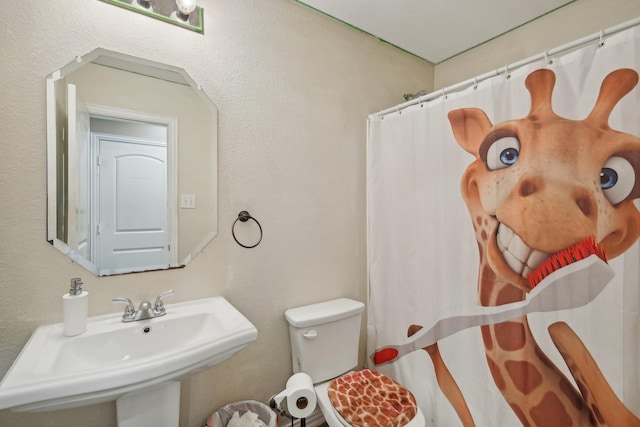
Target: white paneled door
132,204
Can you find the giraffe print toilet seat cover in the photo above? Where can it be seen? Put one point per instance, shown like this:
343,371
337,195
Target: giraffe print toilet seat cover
368,398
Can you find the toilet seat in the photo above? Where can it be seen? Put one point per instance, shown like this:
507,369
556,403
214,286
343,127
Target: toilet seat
333,418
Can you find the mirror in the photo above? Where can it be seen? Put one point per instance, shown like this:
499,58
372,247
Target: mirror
131,164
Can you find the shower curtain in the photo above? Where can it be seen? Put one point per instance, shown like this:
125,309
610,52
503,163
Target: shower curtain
538,154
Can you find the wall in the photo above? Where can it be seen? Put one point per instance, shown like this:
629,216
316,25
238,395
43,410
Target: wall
572,22
293,89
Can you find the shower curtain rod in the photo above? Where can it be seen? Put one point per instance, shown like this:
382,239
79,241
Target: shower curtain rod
504,70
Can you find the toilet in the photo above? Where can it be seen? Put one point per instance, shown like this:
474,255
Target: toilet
324,343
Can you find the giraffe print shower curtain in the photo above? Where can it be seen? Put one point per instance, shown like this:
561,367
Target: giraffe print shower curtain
468,193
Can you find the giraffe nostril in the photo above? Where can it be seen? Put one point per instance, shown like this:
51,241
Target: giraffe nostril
585,204
527,188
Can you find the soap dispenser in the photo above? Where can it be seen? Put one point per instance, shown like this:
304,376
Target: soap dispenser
75,306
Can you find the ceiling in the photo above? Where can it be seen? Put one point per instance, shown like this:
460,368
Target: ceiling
435,30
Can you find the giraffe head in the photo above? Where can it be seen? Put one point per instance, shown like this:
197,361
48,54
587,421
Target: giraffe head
544,182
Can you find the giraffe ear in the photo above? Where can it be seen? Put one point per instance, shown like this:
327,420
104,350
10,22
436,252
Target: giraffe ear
470,126
615,86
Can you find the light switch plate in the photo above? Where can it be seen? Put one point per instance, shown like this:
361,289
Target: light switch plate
188,201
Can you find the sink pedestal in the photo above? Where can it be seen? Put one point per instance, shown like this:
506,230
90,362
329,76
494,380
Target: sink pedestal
157,406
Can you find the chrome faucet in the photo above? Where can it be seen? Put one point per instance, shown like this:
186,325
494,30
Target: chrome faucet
146,310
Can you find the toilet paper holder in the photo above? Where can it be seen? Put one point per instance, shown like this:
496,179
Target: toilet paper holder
301,403
299,397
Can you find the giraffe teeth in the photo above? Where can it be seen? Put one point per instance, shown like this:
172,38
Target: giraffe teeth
504,236
520,257
515,264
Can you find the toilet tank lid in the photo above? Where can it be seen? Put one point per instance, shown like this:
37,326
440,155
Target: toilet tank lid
323,312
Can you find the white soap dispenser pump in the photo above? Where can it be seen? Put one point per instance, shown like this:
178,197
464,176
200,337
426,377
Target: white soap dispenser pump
75,306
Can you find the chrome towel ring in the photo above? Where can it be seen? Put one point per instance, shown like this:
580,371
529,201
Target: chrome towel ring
244,216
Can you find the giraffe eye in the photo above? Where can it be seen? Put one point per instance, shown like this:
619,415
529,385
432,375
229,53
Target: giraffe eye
617,179
503,153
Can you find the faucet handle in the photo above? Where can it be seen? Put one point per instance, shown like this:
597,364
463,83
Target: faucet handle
159,306
130,310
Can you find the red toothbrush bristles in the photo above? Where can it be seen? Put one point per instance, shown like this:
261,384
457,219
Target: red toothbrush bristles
385,355
565,257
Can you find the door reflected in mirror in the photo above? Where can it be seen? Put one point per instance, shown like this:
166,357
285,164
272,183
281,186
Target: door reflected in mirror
132,164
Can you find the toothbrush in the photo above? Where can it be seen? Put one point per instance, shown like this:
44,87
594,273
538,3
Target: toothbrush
570,279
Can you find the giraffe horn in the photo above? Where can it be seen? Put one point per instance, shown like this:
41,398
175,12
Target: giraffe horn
616,85
540,85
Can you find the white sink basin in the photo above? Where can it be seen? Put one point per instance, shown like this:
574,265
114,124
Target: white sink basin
114,358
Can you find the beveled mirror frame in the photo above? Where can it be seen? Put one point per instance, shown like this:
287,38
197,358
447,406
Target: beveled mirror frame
142,67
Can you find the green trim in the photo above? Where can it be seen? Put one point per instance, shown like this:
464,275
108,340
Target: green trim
404,50
418,56
507,32
359,29
198,28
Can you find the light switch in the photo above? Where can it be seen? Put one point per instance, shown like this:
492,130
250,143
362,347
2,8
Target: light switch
188,201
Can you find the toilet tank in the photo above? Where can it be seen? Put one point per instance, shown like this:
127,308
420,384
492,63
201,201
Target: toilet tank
325,337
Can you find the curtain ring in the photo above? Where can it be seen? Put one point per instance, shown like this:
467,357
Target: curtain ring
244,216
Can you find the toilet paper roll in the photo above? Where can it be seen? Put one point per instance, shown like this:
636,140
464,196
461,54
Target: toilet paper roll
300,395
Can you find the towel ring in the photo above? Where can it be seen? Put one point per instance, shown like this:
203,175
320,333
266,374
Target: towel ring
244,216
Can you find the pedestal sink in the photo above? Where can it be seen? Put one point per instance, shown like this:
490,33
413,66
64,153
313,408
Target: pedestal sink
120,361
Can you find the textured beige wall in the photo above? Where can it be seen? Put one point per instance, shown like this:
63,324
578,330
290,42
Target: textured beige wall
574,21
293,88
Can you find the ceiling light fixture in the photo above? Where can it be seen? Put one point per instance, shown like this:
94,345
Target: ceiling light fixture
144,3
183,13
185,7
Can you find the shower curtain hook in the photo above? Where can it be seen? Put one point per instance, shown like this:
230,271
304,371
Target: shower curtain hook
420,101
475,82
398,109
546,58
444,94
506,72
601,38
